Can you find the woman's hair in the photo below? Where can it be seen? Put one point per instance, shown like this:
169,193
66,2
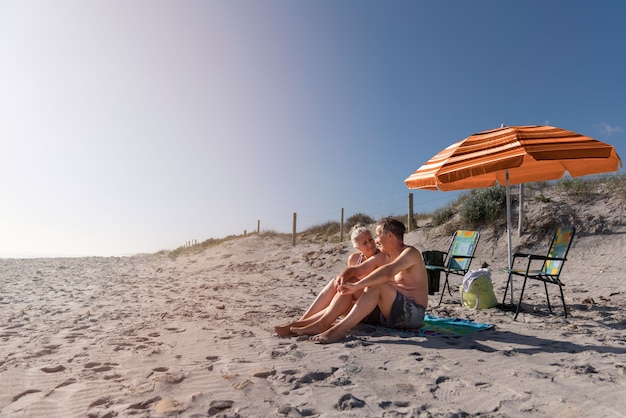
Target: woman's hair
357,230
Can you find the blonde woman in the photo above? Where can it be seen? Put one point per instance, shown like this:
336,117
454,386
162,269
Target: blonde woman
329,304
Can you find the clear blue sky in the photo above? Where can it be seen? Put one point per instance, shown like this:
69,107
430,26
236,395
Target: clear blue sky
134,126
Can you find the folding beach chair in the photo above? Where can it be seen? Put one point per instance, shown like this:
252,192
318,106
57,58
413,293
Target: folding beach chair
458,257
550,270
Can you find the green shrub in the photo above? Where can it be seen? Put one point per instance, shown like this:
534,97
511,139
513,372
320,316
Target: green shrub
200,246
358,218
443,215
577,186
325,229
422,216
616,184
483,205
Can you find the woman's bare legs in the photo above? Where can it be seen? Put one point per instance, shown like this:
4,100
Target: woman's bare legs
340,305
381,296
322,300
313,313
285,330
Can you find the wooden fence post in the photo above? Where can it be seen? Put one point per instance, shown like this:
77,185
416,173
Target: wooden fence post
341,227
258,227
295,216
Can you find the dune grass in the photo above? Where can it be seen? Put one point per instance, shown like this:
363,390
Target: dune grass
476,208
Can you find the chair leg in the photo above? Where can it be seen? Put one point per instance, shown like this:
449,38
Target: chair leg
545,285
506,289
443,291
563,300
519,303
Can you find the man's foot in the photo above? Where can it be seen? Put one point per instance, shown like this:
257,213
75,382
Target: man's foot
283,330
328,337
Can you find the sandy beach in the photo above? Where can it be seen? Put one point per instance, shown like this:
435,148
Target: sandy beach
151,336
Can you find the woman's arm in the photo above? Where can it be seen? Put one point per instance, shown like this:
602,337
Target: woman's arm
384,273
352,273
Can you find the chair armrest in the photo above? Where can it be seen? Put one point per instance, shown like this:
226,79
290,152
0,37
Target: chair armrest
545,258
537,257
530,258
433,267
441,268
518,271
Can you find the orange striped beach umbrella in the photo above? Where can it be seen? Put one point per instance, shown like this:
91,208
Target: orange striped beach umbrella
527,153
514,155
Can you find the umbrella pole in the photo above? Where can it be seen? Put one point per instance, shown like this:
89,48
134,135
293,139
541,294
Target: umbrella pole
508,228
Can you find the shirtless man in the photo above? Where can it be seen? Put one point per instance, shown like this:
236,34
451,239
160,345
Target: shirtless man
394,286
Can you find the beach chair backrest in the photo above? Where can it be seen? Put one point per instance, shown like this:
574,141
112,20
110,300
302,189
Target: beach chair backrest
463,244
559,248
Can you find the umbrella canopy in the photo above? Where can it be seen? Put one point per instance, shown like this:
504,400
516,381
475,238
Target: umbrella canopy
528,153
514,155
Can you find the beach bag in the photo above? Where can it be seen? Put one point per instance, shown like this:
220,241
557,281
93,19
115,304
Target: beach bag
477,290
433,258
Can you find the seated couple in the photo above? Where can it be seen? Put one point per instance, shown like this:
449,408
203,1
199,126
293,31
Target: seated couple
387,287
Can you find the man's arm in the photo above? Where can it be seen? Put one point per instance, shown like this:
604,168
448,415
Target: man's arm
385,273
350,274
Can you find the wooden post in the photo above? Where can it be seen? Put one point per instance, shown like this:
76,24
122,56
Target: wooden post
293,233
258,227
341,227
410,215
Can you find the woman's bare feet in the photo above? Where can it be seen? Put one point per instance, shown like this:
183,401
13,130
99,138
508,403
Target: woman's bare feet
312,329
284,330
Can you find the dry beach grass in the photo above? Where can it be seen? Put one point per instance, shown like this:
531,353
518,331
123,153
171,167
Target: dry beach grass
192,335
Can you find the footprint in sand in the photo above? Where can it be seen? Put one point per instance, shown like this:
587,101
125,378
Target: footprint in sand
171,378
106,401
99,367
174,329
53,369
447,389
26,392
157,370
145,404
349,401
398,404
218,406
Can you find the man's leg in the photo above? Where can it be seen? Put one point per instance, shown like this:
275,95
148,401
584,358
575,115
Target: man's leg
339,306
313,313
382,296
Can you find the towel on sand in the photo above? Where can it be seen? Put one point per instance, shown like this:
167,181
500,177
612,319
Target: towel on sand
443,327
449,327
